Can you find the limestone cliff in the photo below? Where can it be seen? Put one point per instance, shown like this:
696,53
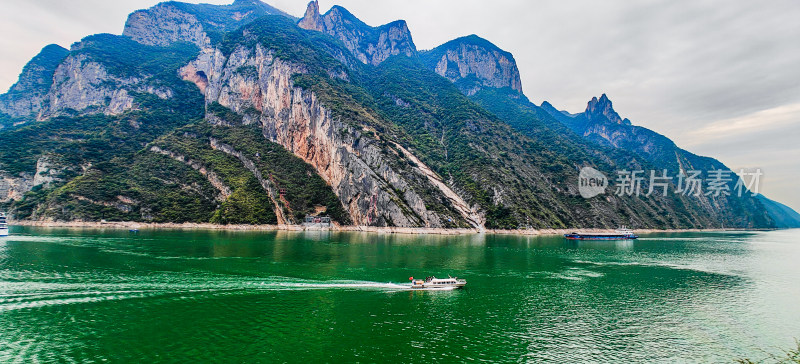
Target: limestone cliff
92,77
473,63
354,164
80,84
170,22
371,45
165,24
14,187
291,117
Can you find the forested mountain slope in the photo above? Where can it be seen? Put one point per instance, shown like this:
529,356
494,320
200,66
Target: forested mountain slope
243,114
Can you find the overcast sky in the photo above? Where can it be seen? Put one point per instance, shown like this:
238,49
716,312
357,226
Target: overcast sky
720,78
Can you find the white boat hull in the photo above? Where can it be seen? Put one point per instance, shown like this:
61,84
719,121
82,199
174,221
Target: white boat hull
434,283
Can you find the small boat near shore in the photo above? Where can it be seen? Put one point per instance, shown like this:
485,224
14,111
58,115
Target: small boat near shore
438,283
622,233
3,224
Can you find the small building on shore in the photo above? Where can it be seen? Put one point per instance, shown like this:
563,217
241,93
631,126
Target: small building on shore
317,222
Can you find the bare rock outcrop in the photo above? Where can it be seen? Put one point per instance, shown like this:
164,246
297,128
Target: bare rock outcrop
81,84
473,63
165,24
171,22
14,187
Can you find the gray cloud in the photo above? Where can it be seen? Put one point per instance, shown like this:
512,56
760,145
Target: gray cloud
673,66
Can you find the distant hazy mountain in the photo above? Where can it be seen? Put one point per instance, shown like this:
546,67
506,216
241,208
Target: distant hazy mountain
782,215
599,123
243,114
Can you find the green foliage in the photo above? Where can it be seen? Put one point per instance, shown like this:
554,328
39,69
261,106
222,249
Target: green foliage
248,203
106,147
122,180
304,188
96,139
169,191
224,113
500,217
38,73
220,19
124,57
496,149
458,139
5,121
289,42
248,71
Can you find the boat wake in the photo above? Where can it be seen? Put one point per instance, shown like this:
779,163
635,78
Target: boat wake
42,290
303,285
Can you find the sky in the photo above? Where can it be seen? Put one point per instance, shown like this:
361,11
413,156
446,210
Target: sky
720,78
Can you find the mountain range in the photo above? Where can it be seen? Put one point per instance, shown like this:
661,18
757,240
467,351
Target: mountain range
243,114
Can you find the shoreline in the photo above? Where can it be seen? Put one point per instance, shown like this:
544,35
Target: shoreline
372,229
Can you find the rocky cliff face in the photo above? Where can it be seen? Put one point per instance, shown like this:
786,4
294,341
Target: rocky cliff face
165,24
170,22
87,80
371,45
473,63
283,93
29,95
354,164
80,84
15,187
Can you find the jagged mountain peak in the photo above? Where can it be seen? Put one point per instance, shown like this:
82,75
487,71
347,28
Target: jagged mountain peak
371,45
368,143
311,19
602,109
472,63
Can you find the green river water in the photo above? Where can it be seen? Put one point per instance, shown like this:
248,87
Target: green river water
70,295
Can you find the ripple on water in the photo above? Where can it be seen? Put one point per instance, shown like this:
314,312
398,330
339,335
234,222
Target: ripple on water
661,300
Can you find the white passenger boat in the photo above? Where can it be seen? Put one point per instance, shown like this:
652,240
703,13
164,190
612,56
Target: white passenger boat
438,283
3,224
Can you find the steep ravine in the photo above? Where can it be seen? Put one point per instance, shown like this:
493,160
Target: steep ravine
283,218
